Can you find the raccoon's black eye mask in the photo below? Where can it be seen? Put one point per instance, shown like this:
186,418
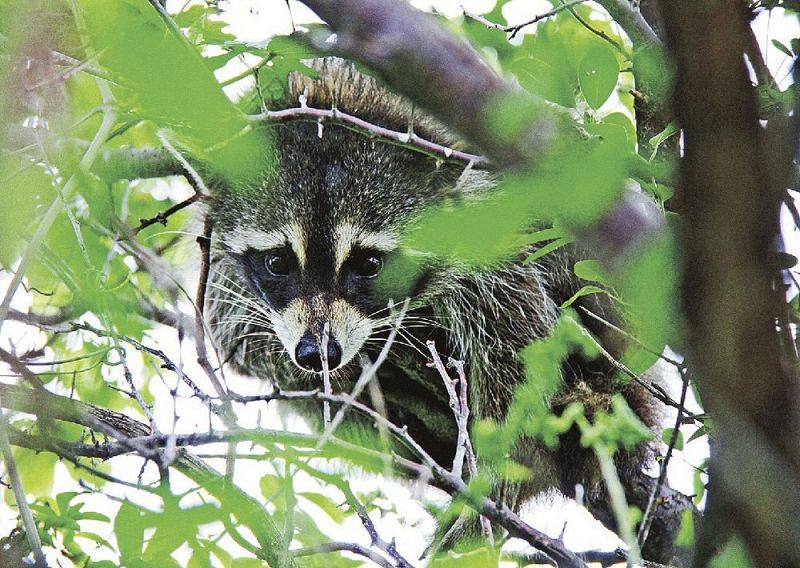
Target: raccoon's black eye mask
363,263
276,277
274,274
280,262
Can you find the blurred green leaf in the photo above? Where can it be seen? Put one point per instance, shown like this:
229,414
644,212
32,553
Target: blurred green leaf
733,555
648,285
782,47
129,525
333,510
657,140
149,58
619,428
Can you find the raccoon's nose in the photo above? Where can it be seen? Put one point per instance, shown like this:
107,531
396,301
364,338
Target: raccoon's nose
309,355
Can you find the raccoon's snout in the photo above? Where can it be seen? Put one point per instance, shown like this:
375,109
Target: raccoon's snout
308,354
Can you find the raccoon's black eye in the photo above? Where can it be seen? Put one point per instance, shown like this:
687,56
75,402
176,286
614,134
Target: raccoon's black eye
366,264
279,262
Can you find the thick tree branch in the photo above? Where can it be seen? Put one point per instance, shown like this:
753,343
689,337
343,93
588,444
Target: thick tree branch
422,61
630,19
731,222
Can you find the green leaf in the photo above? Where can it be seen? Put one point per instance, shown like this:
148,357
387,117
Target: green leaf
477,558
590,270
270,486
156,68
333,510
648,287
666,436
698,486
661,137
704,430
247,563
36,469
129,529
95,538
733,555
585,291
25,191
546,249
620,428
597,76
782,47
685,536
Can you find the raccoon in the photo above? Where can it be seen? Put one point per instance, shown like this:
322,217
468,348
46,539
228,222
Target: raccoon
296,257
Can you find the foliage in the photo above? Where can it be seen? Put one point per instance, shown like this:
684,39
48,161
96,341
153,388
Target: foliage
123,75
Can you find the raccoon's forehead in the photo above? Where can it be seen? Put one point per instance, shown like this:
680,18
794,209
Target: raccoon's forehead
345,176
332,194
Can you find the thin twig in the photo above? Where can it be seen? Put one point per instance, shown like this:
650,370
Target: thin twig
367,374
247,72
166,361
354,548
194,178
756,59
653,388
460,407
461,414
74,411
627,15
407,140
599,33
163,216
31,532
134,393
678,364
228,415
340,483
514,30
326,375
649,512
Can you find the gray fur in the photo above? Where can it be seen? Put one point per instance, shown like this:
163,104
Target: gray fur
482,317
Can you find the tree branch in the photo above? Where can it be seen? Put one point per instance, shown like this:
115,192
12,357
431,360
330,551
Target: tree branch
631,21
512,31
407,140
28,522
327,547
424,62
133,436
730,225
421,60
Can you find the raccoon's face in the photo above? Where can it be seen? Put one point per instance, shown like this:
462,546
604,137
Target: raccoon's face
321,300
312,245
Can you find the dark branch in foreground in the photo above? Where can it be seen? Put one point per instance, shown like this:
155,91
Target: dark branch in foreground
424,62
729,228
